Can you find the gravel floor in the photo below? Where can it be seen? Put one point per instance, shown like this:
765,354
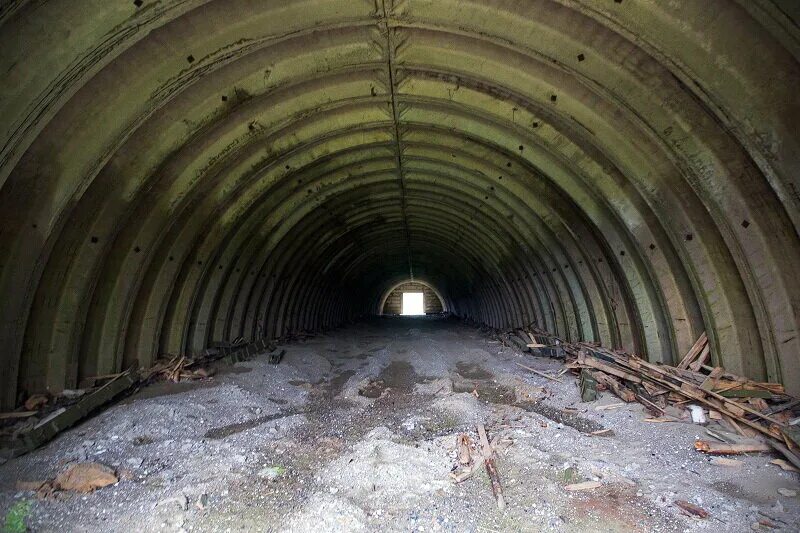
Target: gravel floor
356,431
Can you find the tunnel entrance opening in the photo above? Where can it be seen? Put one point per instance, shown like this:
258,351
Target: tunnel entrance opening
413,304
431,301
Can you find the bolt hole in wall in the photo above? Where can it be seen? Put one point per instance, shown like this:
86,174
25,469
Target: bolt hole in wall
413,304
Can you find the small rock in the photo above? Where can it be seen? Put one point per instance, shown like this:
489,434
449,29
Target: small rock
789,493
135,462
202,501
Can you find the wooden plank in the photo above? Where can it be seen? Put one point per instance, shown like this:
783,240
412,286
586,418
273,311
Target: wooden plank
702,359
693,352
491,468
17,414
700,394
65,418
746,393
609,369
784,407
622,392
722,448
538,373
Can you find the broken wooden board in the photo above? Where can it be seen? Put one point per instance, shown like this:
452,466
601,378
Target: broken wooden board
538,373
17,414
722,448
723,461
491,468
622,392
65,418
85,477
692,509
784,465
694,351
463,444
702,359
585,485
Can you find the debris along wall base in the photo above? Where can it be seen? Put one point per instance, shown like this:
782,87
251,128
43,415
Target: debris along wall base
756,414
25,437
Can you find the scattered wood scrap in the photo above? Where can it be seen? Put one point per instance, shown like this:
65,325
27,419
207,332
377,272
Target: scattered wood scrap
467,464
538,373
724,461
692,509
491,468
464,444
17,414
694,352
760,411
784,465
588,385
743,409
47,415
66,417
275,357
585,485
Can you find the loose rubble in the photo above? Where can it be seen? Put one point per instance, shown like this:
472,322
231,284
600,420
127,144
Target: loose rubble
377,426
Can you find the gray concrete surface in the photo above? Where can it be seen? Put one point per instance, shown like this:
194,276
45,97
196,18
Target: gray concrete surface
298,447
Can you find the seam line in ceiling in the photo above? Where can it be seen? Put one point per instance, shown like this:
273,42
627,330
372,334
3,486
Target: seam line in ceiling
390,55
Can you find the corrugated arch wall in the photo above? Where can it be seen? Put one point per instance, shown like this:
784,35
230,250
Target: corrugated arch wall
179,172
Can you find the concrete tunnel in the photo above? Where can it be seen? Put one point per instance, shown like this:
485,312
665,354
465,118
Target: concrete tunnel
176,174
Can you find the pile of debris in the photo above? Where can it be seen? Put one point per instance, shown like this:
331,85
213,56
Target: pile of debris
43,416
743,415
470,459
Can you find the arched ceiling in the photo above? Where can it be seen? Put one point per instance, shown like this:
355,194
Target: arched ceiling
179,172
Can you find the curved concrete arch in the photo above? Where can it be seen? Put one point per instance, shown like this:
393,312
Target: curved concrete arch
190,171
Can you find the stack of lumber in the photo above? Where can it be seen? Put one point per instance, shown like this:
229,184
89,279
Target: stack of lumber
753,410
535,341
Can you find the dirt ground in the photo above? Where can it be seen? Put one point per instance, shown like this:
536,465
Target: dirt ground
356,431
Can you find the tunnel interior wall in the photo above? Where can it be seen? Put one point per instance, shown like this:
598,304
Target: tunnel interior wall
177,173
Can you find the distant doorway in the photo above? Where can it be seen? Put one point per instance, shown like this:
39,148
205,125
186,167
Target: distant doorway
392,300
413,303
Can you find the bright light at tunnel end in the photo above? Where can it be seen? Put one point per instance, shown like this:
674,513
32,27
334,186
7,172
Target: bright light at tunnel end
413,304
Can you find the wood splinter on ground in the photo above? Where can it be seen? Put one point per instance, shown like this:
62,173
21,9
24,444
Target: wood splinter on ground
551,378
585,485
466,465
491,468
691,509
721,448
464,444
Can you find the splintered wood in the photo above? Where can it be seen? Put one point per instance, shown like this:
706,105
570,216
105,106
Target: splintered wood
759,411
691,509
467,464
491,468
